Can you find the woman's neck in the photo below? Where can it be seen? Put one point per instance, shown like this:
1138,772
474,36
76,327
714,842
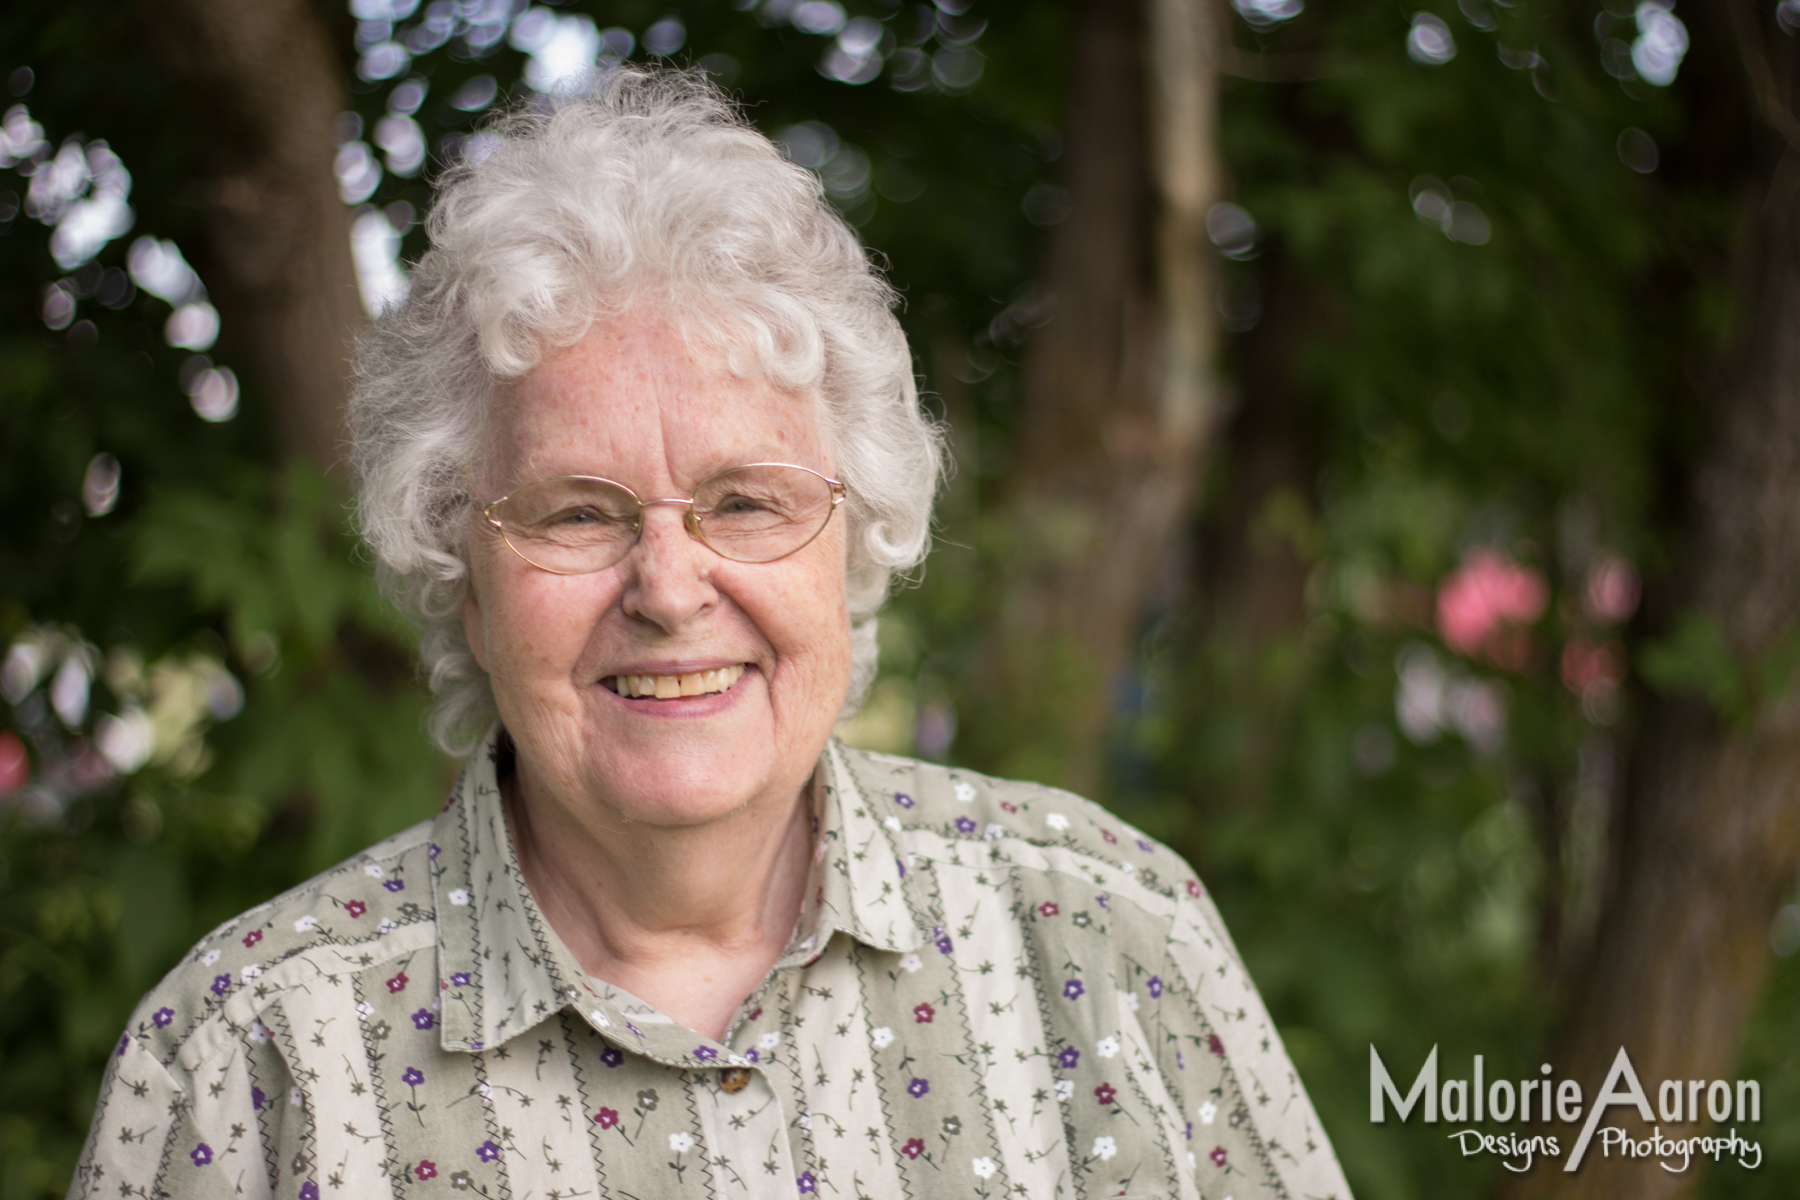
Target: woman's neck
689,919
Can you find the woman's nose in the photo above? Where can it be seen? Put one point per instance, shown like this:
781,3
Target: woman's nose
668,573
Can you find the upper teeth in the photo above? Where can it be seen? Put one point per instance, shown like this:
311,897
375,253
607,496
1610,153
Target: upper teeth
668,687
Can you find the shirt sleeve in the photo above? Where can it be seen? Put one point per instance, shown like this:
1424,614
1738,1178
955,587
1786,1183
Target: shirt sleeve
1246,1117
152,1137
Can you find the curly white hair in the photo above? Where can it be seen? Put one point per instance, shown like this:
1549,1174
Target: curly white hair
653,189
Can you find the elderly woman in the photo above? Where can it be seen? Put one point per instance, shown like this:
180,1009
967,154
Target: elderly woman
643,452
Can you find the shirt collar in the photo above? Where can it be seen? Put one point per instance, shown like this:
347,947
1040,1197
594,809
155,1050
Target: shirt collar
502,969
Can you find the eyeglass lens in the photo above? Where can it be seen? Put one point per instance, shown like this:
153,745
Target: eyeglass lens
753,514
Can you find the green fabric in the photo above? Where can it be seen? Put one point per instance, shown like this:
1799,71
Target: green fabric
994,989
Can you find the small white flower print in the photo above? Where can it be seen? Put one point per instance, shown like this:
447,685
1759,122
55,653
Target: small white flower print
1057,821
459,896
1192,1161
983,1167
258,1033
308,922
1107,1047
681,1143
805,1122
1065,1088
965,792
1207,1112
294,1097
1129,1000
993,832
210,957
364,1009
387,925
1105,1147
882,1038
600,1019
892,823
1128,870
372,871
251,972
768,1041
910,962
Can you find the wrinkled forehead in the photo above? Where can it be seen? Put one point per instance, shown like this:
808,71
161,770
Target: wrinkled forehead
653,402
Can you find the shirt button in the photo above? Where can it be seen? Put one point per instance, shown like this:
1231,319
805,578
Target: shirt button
734,1079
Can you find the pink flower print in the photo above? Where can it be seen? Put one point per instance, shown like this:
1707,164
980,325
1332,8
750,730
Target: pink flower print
397,984
426,1168
1068,1058
1009,806
1105,1093
903,800
923,1013
918,1087
1048,909
705,1053
356,908
221,984
913,1148
1193,888
965,825
423,1019
606,1118
162,1017
251,938
1215,1045
806,1184
1072,990
1155,987
201,1154
612,1056
487,1152
1108,835
413,1077
394,885
1218,1156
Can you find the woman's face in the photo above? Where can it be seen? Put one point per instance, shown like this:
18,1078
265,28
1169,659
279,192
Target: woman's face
630,402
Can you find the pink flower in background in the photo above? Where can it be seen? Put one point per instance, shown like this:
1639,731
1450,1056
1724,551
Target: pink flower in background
1590,670
15,766
1483,600
1612,590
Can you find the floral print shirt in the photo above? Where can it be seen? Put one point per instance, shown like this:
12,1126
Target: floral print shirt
995,989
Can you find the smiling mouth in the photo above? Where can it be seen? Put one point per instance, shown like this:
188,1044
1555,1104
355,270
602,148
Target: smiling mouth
673,687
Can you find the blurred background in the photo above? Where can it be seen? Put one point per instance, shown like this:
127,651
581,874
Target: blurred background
1377,442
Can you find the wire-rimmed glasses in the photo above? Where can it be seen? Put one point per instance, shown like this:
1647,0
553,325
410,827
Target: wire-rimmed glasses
578,524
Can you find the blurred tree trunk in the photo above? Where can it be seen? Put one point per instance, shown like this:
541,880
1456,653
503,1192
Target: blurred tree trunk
264,83
1118,389
1710,833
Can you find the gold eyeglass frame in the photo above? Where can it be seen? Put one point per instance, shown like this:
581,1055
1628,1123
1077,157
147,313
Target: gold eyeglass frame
690,520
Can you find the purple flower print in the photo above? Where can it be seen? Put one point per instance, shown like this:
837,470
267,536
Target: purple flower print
201,1154
1068,1058
918,1087
394,885
221,984
612,1056
705,1053
752,1055
1072,990
413,1077
944,944
460,979
903,800
806,1183
1155,987
434,851
309,1191
1145,846
257,1098
964,825
124,1041
487,1152
902,867
423,1019
162,1017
